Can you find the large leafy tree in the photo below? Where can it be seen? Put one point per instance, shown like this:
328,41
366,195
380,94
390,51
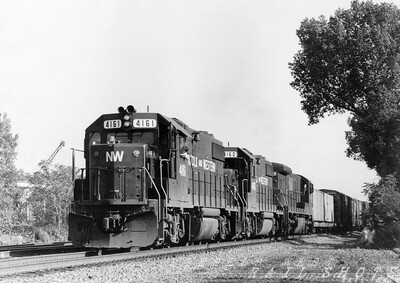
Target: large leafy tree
351,63
8,174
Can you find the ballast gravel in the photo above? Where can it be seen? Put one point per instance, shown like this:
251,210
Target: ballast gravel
325,258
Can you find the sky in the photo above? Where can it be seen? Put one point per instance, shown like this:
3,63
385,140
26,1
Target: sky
219,66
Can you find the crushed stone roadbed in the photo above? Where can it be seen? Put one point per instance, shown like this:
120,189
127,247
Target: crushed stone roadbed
323,258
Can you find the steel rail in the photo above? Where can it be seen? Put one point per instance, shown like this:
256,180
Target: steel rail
75,259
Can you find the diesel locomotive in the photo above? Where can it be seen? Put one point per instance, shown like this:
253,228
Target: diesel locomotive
151,180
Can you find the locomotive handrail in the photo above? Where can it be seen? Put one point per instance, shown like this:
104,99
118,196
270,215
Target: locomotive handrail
233,194
241,199
277,198
244,200
123,188
98,184
81,195
161,179
96,191
159,195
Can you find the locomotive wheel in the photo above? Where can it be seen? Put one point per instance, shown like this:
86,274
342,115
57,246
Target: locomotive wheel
175,229
180,232
224,227
248,232
275,227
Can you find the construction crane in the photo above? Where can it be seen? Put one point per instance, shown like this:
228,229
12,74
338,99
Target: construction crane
43,166
49,160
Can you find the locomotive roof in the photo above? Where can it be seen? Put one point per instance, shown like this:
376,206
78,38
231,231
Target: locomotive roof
281,168
301,176
242,152
181,127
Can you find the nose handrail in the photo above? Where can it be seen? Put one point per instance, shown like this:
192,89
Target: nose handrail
95,195
158,192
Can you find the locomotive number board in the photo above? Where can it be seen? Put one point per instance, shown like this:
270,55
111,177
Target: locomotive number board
230,154
144,123
112,124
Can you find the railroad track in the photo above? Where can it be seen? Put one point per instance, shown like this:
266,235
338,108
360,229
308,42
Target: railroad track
35,249
34,246
94,257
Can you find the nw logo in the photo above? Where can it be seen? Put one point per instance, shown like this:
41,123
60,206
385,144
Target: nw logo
114,156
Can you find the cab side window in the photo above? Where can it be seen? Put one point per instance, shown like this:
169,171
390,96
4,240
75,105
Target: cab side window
183,148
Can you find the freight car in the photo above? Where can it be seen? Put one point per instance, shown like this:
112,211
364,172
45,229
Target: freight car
152,180
348,212
323,212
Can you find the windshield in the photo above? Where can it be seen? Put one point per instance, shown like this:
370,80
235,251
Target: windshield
131,137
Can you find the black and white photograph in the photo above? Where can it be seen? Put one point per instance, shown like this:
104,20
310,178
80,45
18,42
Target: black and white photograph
199,141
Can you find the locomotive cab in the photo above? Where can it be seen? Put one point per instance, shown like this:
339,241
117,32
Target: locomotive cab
120,164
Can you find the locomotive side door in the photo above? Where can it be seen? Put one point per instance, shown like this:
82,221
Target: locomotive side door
179,168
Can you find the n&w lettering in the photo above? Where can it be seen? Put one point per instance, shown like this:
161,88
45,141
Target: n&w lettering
114,156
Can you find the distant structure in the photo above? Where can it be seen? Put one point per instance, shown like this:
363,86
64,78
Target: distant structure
26,186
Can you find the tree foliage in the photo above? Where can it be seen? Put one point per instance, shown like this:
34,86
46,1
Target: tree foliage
376,140
384,211
50,199
47,206
8,174
351,63
8,144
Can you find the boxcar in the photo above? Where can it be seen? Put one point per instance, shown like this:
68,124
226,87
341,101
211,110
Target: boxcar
343,210
323,211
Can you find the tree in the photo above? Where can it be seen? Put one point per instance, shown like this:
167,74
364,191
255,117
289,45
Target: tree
8,174
8,144
384,211
50,199
376,139
351,63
